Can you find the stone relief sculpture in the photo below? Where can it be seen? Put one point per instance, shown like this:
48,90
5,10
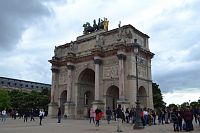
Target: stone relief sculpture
99,40
73,47
55,51
120,35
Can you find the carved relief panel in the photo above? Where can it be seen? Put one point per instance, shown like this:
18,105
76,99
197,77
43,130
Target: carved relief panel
63,75
110,72
110,69
142,72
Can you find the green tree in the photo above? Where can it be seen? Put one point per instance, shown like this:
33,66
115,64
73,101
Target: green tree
173,106
157,97
29,100
4,100
194,104
184,105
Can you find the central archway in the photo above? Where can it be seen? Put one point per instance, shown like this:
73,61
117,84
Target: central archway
86,88
112,95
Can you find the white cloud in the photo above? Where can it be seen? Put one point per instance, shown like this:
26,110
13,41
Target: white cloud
172,26
181,96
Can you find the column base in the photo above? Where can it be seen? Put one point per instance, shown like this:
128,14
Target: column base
138,122
124,103
69,110
98,103
52,110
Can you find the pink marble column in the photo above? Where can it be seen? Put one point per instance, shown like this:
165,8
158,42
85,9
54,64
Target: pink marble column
70,67
53,82
121,56
97,61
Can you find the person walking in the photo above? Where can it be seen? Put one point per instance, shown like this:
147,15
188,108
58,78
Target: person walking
119,114
108,115
98,116
59,115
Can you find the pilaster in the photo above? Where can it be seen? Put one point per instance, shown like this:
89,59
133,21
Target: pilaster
97,62
121,57
69,105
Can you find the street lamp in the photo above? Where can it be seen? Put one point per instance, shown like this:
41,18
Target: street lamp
138,122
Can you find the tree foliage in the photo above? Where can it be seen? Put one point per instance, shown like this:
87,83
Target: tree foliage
4,100
157,97
20,100
194,104
173,106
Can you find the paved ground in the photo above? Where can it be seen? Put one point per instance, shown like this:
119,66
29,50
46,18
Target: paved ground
78,126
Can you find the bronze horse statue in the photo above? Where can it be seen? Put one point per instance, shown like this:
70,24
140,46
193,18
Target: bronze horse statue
87,28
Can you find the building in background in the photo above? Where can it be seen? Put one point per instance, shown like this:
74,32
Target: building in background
10,83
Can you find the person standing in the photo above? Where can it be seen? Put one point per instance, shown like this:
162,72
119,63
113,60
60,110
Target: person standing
92,115
25,115
127,115
119,114
108,115
59,115
188,119
174,117
32,115
41,115
4,115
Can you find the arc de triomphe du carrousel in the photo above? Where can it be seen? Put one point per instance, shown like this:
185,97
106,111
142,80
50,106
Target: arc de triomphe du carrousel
98,69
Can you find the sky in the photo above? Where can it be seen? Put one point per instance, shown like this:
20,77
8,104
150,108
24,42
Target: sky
30,30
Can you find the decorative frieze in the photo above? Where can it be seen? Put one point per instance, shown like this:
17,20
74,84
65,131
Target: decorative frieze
110,72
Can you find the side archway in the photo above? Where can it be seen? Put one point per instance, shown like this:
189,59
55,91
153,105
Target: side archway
112,95
63,100
85,92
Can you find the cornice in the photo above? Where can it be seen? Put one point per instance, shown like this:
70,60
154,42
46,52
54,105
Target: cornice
97,52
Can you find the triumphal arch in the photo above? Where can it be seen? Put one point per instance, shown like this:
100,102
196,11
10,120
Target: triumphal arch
98,69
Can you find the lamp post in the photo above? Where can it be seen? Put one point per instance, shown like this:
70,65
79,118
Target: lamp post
138,123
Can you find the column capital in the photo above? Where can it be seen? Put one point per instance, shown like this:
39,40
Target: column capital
97,60
54,69
70,66
121,56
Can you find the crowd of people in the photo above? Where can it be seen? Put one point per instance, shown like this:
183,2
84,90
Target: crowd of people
182,119
22,114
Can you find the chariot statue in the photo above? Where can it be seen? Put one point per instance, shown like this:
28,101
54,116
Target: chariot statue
102,24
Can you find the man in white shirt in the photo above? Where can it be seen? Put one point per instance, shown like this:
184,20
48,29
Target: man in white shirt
41,115
4,115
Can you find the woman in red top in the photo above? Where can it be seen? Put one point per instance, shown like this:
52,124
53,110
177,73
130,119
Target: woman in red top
99,115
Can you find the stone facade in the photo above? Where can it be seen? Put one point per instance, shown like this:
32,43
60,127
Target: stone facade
99,69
